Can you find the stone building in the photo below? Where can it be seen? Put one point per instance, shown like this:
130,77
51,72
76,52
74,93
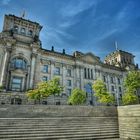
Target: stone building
24,63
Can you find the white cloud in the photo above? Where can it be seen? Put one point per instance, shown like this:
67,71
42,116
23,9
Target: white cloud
74,8
5,2
125,12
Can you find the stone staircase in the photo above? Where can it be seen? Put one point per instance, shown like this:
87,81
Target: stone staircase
59,128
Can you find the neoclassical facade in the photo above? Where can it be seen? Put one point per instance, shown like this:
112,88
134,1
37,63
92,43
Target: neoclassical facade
24,63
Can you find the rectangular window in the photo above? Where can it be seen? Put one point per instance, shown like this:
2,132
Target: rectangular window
44,78
68,82
69,72
16,83
120,89
119,81
57,71
121,96
104,78
45,69
68,92
91,74
85,73
88,73
111,79
112,88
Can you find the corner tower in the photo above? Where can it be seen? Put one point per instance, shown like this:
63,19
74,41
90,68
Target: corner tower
19,45
22,29
121,59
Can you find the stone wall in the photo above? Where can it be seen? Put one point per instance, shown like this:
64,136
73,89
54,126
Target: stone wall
129,122
42,111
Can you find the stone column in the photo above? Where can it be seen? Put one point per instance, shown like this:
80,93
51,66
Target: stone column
87,72
77,72
82,78
64,77
1,61
5,66
109,83
74,75
117,90
52,69
93,74
32,72
28,78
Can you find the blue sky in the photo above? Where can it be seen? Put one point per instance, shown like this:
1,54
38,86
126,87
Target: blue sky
83,25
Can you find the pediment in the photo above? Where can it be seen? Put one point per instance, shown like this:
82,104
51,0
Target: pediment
90,58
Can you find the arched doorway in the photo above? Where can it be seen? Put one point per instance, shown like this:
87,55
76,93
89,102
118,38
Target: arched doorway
89,93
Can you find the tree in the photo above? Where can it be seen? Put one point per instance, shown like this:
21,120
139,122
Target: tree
103,96
77,97
131,85
45,89
132,80
129,97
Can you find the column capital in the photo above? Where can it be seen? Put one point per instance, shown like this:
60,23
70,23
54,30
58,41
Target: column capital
34,55
52,62
8,49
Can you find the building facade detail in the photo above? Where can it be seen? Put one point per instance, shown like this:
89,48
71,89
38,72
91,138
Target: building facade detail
24,63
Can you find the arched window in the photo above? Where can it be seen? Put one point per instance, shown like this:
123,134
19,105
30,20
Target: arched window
15,28
19,63
30,32
23,30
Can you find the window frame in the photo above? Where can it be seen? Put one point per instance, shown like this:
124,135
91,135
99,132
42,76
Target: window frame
69,91
112,88
57,71
30,32
45,69
23,30
16,83
46,78
69,83
19,63
16,28
69,72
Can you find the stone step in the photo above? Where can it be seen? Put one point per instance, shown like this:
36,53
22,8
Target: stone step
64,135
61,118
93,130
59,127
65,121
77,138
54,123
58,124
55,120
